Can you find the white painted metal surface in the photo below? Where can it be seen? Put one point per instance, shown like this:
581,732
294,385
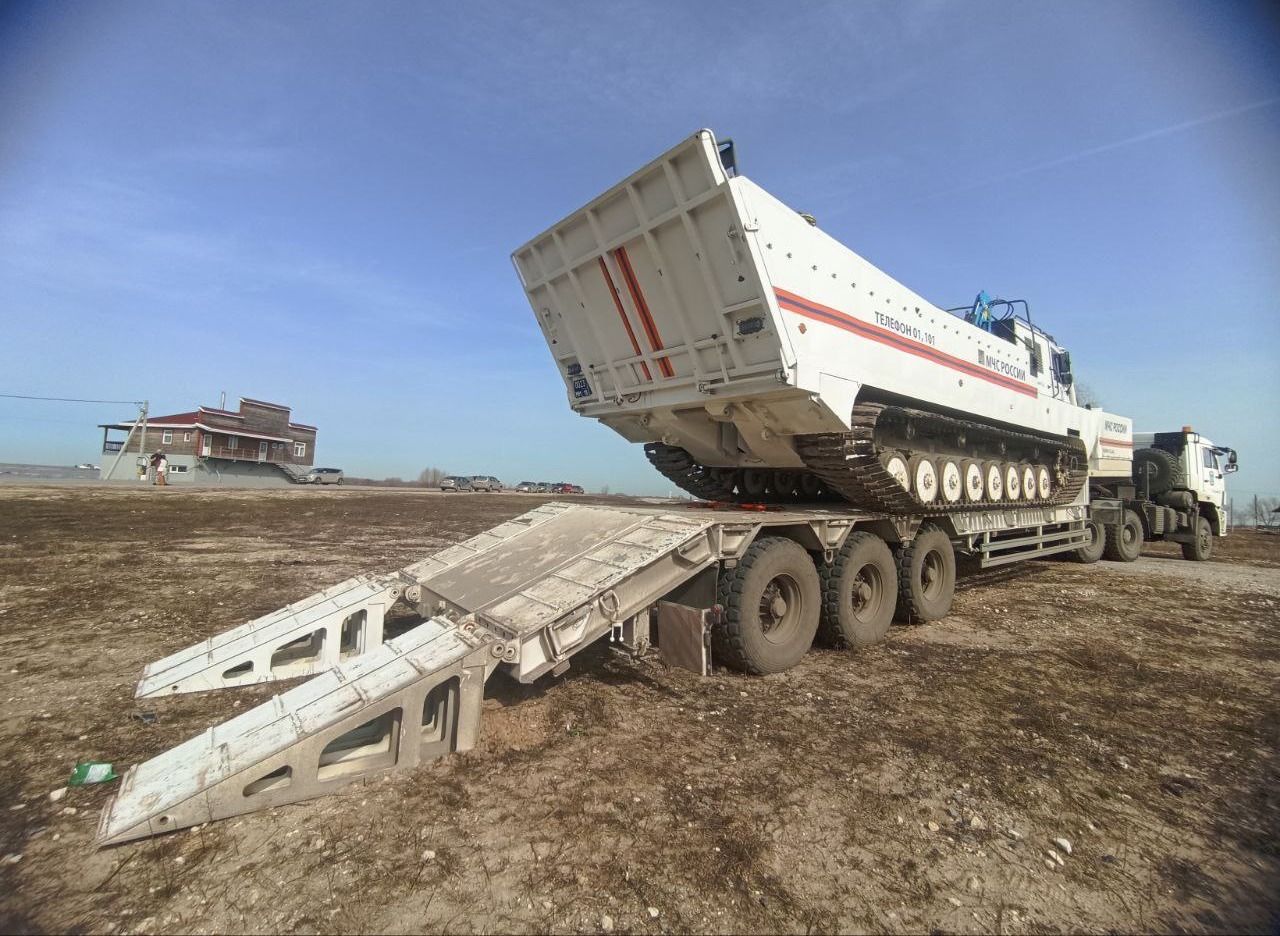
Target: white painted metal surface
687,306
409,700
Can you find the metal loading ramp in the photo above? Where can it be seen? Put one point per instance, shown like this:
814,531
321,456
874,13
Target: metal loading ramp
311,635
411,700
527,594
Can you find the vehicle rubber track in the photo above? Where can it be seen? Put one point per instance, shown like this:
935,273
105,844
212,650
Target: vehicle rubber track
849,466
849,462
680,469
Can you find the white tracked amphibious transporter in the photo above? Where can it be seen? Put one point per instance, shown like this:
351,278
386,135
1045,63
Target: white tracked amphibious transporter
759,360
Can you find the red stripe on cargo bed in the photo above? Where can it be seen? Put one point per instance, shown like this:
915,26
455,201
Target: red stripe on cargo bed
622,314
642,307
820,313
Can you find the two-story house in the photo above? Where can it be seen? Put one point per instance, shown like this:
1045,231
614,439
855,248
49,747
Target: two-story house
257,446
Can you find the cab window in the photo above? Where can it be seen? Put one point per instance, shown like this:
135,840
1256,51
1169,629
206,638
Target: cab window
1210,459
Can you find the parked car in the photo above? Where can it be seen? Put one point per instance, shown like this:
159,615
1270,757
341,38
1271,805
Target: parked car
485,483
527,487
455,483
543,487
564,487
323,476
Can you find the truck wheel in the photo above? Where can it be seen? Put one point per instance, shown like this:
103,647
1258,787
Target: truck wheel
858,592
1201,548
1092,552
1124,543
771,600
1158,471
926,577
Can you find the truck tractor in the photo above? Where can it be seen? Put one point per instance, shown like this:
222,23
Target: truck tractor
1177,493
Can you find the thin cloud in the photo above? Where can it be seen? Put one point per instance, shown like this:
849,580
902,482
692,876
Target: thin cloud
1109,147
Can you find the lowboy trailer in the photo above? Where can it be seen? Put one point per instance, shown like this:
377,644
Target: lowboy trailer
749,588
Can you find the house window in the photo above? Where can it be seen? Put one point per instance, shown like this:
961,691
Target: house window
186,437
233,442
299,450
278,446
167,437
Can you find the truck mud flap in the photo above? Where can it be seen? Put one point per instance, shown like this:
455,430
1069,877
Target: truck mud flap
411,699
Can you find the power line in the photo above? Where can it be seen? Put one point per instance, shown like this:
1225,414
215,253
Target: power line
53,399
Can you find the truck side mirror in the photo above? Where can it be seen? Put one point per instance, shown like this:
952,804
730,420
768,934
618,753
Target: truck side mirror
1230,468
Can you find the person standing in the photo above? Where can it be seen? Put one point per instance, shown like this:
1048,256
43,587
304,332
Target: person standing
162,465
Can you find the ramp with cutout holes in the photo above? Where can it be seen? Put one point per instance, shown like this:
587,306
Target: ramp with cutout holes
412,699
312,635
527,594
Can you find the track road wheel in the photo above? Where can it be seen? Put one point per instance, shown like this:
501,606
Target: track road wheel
858,592
1125,542
952,481
924,479
810,486
974,490
896,465
1201,548
994,477
771,600
926,577
1092,552
1044,484
1028,483
754,483
1012,482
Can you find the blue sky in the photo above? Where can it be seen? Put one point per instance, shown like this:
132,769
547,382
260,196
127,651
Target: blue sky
315,203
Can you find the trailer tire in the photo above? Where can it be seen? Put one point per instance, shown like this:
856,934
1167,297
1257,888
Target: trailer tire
926,577
771,601
1093,551
1159,470
1124,543
858,593
1200,548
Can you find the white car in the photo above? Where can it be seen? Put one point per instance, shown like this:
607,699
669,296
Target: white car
324,476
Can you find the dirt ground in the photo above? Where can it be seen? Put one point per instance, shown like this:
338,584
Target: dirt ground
916,786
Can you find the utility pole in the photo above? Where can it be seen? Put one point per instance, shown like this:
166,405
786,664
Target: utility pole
142,441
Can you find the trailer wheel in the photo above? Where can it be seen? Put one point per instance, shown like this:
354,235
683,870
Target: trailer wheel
858,593
926,577
1201,548
1124,543
771,600
1092,552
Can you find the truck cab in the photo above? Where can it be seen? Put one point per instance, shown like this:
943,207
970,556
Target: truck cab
1184,471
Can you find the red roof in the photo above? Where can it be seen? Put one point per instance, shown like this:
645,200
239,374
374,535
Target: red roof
178,419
